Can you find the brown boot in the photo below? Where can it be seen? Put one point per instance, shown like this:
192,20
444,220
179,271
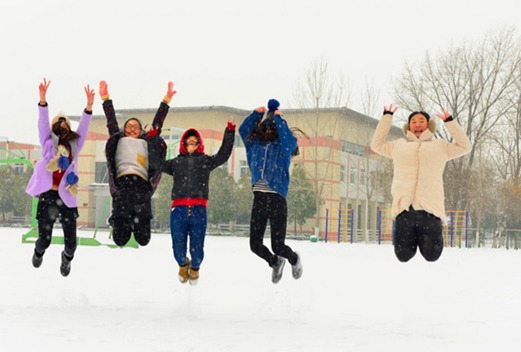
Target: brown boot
193,276
183,272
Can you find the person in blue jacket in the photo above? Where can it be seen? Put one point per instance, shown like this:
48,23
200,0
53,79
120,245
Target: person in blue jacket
270,145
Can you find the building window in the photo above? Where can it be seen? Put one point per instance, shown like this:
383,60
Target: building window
362,177
244,167
101,172
352,175
342,173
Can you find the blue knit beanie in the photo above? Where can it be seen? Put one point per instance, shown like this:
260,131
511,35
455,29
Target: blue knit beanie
273,104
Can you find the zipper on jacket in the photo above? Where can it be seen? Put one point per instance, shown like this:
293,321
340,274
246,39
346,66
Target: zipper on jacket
417,172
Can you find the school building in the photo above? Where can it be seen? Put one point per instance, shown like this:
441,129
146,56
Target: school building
335,154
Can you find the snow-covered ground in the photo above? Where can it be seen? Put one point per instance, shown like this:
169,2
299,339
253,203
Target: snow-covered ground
350,298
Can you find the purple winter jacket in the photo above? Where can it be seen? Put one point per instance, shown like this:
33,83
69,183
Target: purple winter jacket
41,181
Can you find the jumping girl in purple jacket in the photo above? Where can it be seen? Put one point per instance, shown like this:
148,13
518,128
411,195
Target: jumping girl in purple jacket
55,179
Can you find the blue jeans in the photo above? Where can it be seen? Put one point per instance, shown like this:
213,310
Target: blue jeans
188,221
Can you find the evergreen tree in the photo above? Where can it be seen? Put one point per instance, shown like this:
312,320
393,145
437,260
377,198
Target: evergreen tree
163,202
301,198
221,203
244,199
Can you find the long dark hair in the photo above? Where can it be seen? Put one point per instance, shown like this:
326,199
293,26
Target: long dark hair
69,135
266,131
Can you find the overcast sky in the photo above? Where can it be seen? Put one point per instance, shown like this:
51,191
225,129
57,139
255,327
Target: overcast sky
236,53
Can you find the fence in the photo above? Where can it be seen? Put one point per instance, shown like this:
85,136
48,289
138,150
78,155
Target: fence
339,226
455,230
343,220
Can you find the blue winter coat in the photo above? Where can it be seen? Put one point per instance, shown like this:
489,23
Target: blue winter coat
269,161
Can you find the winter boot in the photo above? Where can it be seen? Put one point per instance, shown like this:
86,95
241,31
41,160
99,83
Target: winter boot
296,269
65,267
37,259
276,275
183,272
193,276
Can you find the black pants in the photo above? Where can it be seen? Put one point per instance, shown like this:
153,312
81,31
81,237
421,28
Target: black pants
272,207
417,228
50,208
131,210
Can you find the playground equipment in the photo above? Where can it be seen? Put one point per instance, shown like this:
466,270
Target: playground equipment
344,225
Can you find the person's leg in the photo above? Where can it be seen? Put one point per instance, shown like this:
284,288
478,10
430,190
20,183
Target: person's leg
278,214
197,230
430,235
47,212
142,218
258,222
68,218
405,243
122,209
179,232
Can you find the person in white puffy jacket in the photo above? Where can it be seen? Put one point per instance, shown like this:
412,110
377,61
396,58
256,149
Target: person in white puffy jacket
418,205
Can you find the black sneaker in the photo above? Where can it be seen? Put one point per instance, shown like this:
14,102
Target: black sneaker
65,267
37,260
276,275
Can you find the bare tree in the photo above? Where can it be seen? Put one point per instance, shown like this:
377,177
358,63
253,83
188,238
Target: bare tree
370,98
319,90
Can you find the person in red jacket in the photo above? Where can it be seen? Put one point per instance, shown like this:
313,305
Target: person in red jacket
191,172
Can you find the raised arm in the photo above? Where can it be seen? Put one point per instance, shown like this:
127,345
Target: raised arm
250,122
288,141
83,127
162,111
44,129
226,147
461,144
108,108
379,144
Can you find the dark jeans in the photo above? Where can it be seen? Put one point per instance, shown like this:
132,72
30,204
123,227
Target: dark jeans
188,221
272,207
131,210
417,228
50,208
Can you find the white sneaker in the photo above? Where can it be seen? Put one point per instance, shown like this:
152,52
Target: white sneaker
296,269
276,275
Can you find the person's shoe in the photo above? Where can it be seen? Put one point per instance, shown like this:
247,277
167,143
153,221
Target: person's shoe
296,269
37,259
193,276
65,267
276,275
183,272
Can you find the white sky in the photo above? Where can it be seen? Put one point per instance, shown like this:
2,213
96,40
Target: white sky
228,52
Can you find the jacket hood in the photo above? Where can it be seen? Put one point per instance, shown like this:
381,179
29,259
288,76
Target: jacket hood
431,128
191,132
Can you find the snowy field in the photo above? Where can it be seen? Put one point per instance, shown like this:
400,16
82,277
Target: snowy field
350,298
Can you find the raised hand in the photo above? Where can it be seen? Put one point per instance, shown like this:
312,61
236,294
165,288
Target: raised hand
445,115
43,91
90,97
153,131
390,109
231,125
261,109
103,90
171,92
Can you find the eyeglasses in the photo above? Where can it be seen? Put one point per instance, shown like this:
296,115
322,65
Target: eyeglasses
132,127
